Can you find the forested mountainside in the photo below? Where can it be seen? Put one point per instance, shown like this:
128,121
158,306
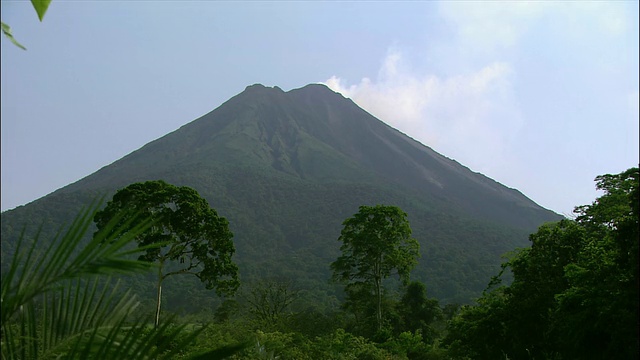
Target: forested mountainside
287,168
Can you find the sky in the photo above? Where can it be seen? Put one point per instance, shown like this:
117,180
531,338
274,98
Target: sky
539,96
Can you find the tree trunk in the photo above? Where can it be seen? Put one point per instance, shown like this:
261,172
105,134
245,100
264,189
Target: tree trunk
379,307
159,299
378,280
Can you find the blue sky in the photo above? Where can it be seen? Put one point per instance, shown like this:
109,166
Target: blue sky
540,96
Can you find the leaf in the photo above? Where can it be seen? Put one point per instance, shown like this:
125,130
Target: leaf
58,301
6,30
41,7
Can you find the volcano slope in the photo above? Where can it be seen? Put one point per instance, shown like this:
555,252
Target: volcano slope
287,168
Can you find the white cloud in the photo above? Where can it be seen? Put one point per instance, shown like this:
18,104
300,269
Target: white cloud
553,60
469,116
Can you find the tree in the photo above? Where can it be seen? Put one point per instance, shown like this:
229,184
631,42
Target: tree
375,242
597,316
194,239
269,298
574,293
539,275
479,332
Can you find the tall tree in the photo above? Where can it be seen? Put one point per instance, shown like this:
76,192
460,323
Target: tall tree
514,321
194,239
375,242
574,293
597,316
539,275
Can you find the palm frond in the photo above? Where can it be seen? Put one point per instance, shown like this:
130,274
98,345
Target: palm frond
34,272
60,302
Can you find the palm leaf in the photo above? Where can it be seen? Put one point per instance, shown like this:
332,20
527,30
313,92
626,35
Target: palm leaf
59,302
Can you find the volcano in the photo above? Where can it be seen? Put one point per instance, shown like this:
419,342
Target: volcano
287,168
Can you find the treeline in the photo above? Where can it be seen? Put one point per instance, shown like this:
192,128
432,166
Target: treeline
572,295
263,319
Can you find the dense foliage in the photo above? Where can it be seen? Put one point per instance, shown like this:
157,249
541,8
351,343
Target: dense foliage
574,293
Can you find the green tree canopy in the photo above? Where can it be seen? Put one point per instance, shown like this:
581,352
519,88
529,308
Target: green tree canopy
597,316
375,243
574,293
195,240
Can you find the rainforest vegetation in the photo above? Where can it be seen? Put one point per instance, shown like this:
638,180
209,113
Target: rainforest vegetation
573,294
